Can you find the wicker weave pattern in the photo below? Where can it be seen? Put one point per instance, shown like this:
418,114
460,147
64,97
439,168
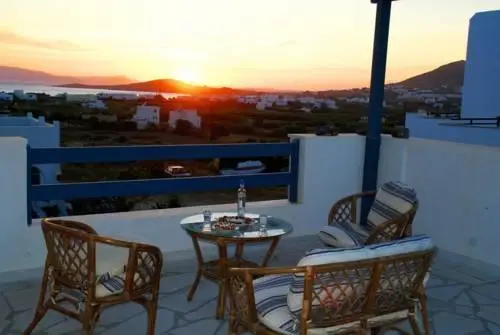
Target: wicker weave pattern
70,275
345,210
71,259
342,293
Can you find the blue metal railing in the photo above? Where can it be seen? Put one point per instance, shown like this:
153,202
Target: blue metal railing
160,185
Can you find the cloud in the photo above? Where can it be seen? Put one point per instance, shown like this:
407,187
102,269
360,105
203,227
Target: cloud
11,38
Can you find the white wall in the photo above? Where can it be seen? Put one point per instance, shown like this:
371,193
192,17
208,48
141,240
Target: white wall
146,115
482,69
445,130
457,186
190,115
330,168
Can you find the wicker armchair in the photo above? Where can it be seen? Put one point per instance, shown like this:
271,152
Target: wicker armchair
391,216
91,272
375,290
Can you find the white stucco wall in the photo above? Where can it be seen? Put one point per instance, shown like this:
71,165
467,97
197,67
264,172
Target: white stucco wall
190,115
318,189
482,68
459,203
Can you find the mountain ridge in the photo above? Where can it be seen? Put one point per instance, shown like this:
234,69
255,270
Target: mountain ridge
163,86
449,76
17,75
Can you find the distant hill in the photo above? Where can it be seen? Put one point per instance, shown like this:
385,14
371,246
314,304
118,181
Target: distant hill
450,75
10,74
165,86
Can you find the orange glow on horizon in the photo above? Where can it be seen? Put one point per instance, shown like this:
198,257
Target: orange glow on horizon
187,75
280,44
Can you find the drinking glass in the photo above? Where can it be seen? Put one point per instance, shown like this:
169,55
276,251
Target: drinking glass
263,224
207,220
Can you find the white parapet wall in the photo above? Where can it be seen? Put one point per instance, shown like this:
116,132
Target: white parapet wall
329,168
457,186
458,190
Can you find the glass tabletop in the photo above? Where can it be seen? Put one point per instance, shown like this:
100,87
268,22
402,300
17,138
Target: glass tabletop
275,227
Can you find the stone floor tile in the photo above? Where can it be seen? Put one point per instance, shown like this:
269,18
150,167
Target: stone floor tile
208,326
446,323
461,301
445,293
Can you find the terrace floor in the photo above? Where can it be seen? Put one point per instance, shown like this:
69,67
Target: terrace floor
462,300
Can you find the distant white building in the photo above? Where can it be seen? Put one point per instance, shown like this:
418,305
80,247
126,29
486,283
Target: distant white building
190,115
19,94
358,100
40,134
118,96
330,104
146,115
80,97
6,97
263,105
97,104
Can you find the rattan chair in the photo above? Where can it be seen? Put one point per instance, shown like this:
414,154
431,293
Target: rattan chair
391,217
359,296
86,273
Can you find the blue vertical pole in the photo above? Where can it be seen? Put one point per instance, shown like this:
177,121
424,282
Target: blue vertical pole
377,83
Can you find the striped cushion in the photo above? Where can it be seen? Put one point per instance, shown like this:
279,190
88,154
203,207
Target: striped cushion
392,199
272,309
335,256
343,235
110,285
110,260
270,302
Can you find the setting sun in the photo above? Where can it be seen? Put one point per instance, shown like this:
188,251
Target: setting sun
187,75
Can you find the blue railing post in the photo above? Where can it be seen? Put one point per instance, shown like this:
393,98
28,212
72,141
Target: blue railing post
28,183
373,139
293,188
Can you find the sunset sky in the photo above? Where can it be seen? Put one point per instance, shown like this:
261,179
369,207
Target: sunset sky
288,44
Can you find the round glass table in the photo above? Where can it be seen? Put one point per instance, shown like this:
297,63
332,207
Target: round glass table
217,270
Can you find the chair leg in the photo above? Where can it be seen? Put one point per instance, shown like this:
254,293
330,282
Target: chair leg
425,316
90,318
152,308
41,308
375,331
414,326
233,326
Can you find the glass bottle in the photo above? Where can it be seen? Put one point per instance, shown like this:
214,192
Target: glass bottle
241,199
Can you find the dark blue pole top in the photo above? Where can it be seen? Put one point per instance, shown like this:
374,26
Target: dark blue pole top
377,83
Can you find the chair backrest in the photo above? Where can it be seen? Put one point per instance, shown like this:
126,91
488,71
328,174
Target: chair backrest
346,285
70,251
393,199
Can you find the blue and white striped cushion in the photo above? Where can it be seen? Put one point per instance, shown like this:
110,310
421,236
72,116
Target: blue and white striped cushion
392,199
334,256
319,257
270,302
110,285
343,235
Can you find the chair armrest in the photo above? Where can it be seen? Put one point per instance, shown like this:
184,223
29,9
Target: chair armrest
390,230
241,289
345,209
144,264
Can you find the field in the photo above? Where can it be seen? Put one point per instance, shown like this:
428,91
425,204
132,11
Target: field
223,122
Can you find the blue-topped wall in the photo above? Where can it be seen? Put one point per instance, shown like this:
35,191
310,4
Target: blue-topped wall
421,126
